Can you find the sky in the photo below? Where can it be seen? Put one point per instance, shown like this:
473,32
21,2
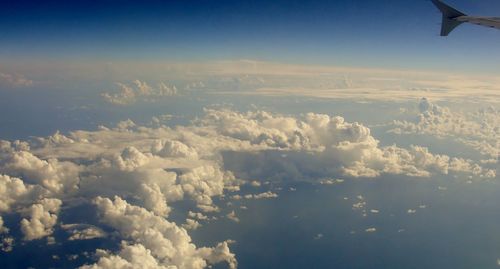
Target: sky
248,134
388,33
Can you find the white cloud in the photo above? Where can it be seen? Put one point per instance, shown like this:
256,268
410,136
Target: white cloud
83,231
479,130
163,241
197,215
13,190
264,195
191,224
129,256
148,169
138,90
52,174
42,218
338,146
172,148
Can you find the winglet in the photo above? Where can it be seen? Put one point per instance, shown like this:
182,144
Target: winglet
449,14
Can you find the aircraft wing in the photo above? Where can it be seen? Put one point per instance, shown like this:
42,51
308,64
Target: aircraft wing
453,18
483,21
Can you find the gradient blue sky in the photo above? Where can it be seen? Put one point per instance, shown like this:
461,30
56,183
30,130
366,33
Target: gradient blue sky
386,33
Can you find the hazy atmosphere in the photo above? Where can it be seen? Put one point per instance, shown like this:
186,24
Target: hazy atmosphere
248,134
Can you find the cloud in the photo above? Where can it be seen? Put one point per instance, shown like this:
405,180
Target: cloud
2,228
197,215
479,129
191,224
12,191
354,83
172,148
133,176
250,77
7,244
138,90
52,174
42,217
330,181
335,146
129,256
232,216
161,243
371,230
14,80
83,231
264,195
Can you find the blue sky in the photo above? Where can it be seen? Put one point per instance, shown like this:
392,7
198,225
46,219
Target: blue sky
388,33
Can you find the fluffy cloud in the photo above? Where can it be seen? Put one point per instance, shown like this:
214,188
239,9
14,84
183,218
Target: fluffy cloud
129,256
479,129
52,174
138,90
191,224
13,190
172,148
42,218
138,174
161,243
336,146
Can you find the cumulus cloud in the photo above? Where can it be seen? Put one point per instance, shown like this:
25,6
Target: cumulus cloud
42,217
138,90
172,148
479,129
191,224
138,173
14,80
197,215
129,256
12,191
161,243
336,146
52,174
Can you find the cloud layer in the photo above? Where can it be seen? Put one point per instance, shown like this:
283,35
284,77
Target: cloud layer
479,129
14,80
131,175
